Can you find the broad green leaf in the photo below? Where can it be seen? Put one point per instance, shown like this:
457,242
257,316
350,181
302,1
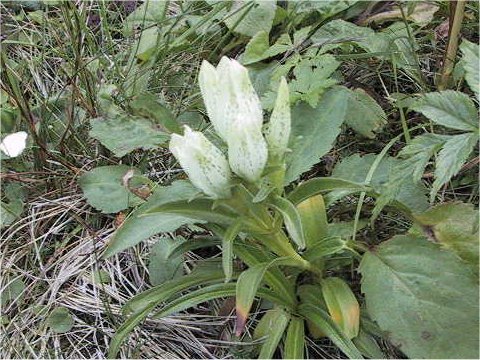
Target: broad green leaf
318,185
454,226
292,219
258,48
325,9
138,227
342,305
311,124
122,134
368,346
450,159
364,115
431,310
470,63
161,266
227,248
105,188
313,76
194,244
147,105
13,291
295,340
341,31
355,168
247,285
13,207
324,322
449,108
313,217
272,326
60,320
248,17
344,229
148,14
147,43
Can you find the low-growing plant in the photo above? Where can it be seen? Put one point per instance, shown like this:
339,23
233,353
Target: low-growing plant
238,192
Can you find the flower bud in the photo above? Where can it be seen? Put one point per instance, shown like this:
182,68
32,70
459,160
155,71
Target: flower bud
247,149
277,133
228,94
14,144
205,165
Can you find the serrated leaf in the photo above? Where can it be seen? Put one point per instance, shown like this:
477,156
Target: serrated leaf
450,159
104,188
295,339
364,115
470,62
355,168
60,320
431,310
161,266
313,217
138,227
248,17
342,305
454,226
122,133
311,124
449,108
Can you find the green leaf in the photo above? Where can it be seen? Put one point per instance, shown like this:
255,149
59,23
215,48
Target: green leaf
318,185
13,208
364,115
450,159
311,124
323,321
123,133
161,266
313,78
147,105
227,248
104,188
247,285
248,17
138,227
148,14
292,219
449,108
340,31
258,48
313,217
424,297
272,325
60,320
342,305
368,346
454,226
470,62
344,229
194,244
295,339
355,168
325,247
147,43
13,291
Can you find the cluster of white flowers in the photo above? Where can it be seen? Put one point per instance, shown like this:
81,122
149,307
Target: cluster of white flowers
236,113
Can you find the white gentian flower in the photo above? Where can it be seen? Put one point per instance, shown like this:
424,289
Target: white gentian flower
14,144
205,165
278,129
228,95
247,149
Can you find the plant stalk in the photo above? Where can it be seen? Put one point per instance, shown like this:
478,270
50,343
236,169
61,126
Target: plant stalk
452,47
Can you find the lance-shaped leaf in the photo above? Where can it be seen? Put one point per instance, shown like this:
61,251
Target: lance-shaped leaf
470,62
292,219
314,219
247,285
295,340
227,248
271,326
342,305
